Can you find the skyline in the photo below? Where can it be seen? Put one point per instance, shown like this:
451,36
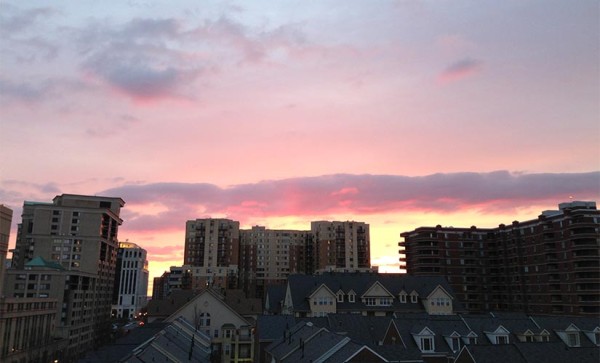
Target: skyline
399,114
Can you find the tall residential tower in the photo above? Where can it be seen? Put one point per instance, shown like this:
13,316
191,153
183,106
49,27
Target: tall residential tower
67,250
548,265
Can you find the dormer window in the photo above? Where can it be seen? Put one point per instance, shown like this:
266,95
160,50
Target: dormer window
413,297
501,339
402,297
340,296
351,297
453,341
425,340
427,344
573,339
454,344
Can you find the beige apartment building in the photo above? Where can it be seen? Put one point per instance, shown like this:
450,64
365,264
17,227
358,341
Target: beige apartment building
341,246
269,256
212,251
66,250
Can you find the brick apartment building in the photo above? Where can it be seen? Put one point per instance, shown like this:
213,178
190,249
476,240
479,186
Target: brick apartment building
547,265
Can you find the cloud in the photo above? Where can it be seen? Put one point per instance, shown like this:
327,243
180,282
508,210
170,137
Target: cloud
460,69
14,20
39,91
312,197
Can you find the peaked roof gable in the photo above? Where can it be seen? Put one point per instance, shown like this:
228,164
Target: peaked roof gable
377,290
390,329
207,294
322,287
439,288
425,332
500,330
572,328
369,350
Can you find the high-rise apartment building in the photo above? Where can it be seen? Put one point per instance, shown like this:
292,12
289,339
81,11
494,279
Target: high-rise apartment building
212,251
217,253
549,265
5,222
131,283
269,256
341,246
27,324
66,250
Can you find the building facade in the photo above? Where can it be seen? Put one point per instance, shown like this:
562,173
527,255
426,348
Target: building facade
212,251
549,265
341,246
269,256
131,283
5,222
72,242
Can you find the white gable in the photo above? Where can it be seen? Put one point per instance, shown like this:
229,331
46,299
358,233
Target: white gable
377,290
499,331
572,327
439,292
322,290
209,302
425,332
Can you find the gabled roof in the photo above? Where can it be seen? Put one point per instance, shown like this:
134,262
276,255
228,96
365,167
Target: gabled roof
437,289
376,285
302,286
274,298
320,287
500,330
494,353
216,297
271,327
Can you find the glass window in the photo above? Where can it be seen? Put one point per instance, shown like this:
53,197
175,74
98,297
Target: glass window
427,344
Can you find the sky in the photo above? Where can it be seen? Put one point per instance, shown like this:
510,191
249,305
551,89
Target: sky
399,114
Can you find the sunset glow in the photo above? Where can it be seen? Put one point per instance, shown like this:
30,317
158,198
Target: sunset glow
399,114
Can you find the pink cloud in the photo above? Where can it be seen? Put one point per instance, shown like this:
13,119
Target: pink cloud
345,191
312,197
460,69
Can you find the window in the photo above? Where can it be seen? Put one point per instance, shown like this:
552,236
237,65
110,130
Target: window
385,301
205,320
573,339
370,301
502,339
454,344
403,298
340,297
427,344
351,298
413,298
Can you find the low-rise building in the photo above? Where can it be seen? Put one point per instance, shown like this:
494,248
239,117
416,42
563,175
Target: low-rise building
365,293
